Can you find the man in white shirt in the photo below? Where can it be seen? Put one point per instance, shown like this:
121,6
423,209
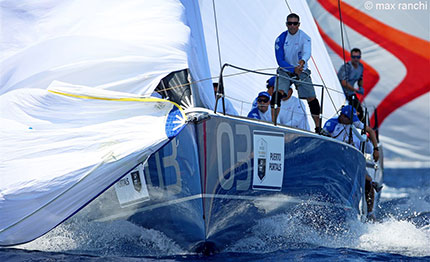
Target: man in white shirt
293,112
293,50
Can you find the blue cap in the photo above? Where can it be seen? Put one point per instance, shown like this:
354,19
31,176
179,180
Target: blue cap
264,93
346,110
271,82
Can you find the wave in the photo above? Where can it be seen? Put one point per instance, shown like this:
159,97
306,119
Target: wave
118,238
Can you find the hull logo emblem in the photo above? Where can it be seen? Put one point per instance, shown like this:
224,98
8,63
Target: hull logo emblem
136,181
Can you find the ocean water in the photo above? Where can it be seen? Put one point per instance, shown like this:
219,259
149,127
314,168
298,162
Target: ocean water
402,233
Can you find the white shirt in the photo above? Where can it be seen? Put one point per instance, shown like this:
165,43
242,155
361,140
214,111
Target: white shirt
293,113
267,116
297,47
341,132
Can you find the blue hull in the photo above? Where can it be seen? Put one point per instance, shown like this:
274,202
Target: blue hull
211,183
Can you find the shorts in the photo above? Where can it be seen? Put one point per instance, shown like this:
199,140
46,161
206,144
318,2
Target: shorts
304,90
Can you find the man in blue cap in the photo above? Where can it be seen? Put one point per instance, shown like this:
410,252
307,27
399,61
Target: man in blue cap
270,84
261,112
338,128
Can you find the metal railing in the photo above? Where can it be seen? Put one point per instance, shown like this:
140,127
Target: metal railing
220,92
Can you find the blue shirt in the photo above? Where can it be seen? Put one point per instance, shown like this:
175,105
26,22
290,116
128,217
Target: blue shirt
257,114
254,113
341,131
348,71
290,49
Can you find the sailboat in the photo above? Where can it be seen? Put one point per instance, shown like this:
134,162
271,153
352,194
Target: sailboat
127,128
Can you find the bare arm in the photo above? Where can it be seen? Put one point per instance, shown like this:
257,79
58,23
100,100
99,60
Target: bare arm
374,142
347,85
360,89
298,69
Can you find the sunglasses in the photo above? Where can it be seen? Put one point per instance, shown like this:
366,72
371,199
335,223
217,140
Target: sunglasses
356,56
264,100
293,23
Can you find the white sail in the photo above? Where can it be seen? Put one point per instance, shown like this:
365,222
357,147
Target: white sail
394,37
64,143
62,147
99,44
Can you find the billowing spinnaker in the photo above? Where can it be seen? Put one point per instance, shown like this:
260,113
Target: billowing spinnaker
62,147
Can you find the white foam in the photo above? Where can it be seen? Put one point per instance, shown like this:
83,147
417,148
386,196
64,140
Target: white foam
286,231
118,238
395,236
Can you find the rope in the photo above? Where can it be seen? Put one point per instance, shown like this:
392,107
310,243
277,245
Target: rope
324,85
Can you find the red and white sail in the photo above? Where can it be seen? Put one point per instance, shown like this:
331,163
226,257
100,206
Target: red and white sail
394,39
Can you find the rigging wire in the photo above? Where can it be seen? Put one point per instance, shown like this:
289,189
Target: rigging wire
350,139
217,36
247,71
289,8
347,38
341,36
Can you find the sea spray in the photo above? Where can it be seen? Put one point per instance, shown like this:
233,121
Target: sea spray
293,231
395,236
118,238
